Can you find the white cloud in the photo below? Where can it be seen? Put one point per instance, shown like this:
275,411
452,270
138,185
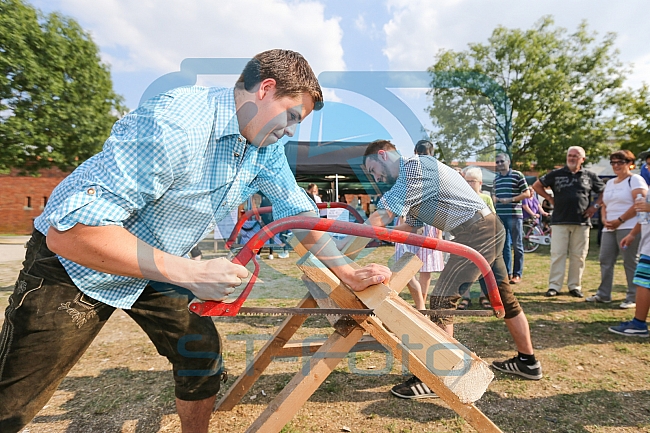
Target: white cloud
137,35
360,23
640,72
418,29
411,34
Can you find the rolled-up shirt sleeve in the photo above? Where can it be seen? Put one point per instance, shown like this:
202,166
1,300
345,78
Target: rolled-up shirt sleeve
406,195
136,167
277,182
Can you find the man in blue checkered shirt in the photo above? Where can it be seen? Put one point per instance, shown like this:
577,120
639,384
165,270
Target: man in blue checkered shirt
115,232
425,191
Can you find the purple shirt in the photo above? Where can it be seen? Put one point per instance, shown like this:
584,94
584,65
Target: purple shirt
533,204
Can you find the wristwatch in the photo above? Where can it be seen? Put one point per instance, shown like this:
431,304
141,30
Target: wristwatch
596,206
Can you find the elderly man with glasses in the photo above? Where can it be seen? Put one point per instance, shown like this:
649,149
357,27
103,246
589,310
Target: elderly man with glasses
572,188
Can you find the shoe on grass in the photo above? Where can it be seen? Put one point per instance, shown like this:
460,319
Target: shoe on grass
413,388
283,255
626,305
576,293
551,292
270,256
629,329
596,298
515,366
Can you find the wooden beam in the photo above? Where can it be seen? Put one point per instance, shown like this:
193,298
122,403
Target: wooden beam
403,270
264,357
307,347
289,401
355,247
461,371
468,411
351,250
321,298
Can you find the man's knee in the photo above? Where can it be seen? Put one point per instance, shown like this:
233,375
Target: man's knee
443,303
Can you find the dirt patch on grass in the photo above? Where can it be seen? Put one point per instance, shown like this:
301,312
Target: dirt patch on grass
594,381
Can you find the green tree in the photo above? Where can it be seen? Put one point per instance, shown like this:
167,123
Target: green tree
532,93
57,103
635,119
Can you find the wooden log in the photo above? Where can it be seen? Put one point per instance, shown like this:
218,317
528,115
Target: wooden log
464,373
468,411
321,298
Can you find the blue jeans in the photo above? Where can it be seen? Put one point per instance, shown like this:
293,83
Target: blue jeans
514,242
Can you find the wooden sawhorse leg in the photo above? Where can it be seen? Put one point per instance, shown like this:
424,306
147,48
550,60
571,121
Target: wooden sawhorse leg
264,357
289,401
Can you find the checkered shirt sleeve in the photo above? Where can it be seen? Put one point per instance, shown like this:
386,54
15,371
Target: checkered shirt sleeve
168,173
429,192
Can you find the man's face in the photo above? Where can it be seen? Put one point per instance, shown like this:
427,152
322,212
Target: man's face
269,119
502,163
384,167
474,183
314,190
574,160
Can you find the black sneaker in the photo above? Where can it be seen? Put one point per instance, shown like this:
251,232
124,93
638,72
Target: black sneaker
413,388
515,366
576,293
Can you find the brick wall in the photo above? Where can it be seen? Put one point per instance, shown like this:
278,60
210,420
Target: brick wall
22,199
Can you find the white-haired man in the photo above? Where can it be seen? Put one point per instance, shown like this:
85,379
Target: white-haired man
572,188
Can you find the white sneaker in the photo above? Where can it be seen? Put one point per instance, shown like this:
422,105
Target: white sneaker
596,298
283,255
626,305
258,257
270,256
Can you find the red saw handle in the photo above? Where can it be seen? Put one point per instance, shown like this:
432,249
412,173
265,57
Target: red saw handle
217,308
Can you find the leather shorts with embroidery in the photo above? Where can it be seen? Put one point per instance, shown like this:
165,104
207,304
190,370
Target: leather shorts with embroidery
49,324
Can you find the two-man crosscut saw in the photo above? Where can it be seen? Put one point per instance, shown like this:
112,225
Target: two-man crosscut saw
248,252
296,311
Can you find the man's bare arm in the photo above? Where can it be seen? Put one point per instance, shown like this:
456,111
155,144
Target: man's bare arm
539,189
324,248
114,250
380,218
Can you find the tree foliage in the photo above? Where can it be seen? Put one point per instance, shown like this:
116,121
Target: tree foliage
57,103
532,93
634,120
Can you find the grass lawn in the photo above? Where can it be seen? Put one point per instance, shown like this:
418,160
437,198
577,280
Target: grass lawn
594,381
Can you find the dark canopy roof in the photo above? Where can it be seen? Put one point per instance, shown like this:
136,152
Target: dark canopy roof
313,161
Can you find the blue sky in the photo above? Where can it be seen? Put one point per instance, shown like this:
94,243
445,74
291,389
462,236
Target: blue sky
143,40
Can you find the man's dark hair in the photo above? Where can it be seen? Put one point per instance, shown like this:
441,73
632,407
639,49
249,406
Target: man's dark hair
424,147
377,145
292,74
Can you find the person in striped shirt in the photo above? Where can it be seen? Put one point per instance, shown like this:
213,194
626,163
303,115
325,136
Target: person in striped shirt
510,188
